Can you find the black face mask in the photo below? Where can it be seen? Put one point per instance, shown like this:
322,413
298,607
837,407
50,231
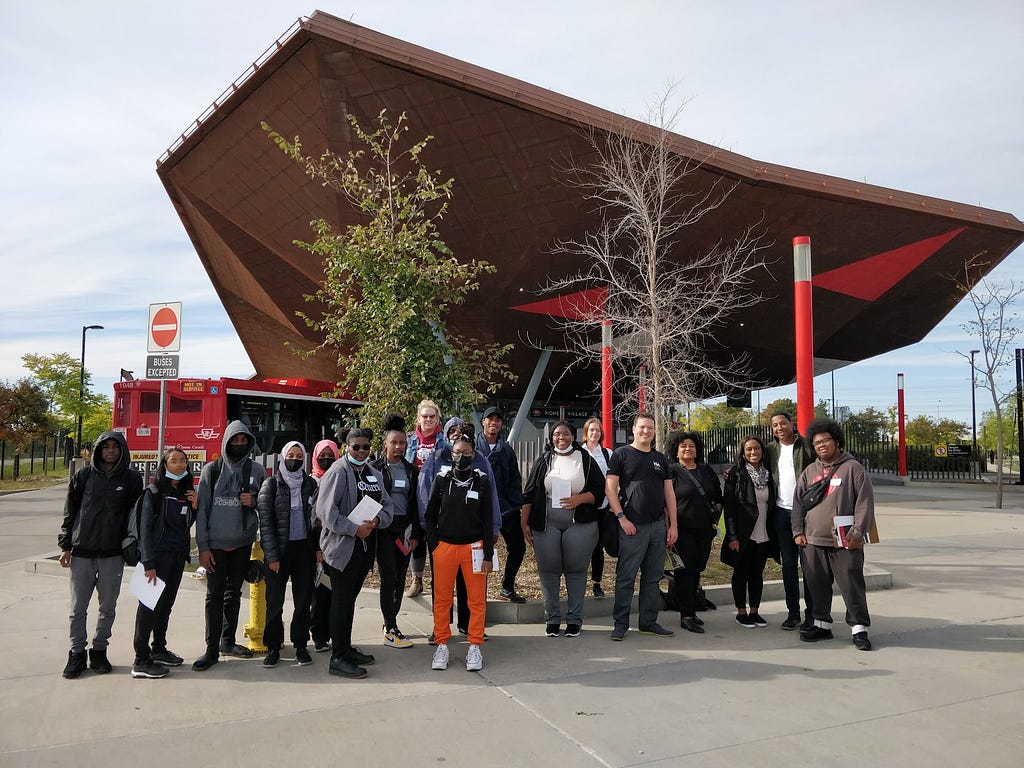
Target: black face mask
463,463
293,465
325,462
238,451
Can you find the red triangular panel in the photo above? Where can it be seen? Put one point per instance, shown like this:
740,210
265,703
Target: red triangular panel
869,278
575,306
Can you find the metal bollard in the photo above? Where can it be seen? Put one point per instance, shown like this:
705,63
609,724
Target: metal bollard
257,607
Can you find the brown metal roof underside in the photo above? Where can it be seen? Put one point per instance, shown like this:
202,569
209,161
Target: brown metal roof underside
243,204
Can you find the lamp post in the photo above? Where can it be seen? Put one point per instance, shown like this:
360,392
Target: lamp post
81,382
974,411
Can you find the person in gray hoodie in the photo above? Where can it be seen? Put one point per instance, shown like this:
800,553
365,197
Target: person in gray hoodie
226,526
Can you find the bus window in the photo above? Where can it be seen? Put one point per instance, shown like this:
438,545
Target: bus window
149,402
182,412
122,409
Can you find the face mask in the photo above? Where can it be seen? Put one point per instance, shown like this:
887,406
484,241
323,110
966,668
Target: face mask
325,462
171,476
562,452
238,451
356,462
463,462
292,465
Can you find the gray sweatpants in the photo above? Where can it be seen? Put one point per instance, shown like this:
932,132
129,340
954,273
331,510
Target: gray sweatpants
564,547
102,574
643,552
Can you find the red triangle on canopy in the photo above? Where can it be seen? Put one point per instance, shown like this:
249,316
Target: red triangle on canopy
575,306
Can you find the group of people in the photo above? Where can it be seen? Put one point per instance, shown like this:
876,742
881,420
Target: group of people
447,494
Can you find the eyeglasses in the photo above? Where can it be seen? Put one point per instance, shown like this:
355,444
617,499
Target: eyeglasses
823,442
361,447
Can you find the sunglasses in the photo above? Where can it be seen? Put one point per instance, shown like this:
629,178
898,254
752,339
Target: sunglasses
361,447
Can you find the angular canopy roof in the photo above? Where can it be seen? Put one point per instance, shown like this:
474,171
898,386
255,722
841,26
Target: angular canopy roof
881,258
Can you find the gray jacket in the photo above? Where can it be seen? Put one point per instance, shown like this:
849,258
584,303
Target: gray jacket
337,497
221,521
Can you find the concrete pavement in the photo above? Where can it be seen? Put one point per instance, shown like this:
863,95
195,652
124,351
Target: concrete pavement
943,687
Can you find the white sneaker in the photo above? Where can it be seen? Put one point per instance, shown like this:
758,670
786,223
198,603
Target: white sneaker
474,659
440,657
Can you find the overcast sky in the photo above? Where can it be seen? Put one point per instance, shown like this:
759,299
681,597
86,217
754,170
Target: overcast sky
922,96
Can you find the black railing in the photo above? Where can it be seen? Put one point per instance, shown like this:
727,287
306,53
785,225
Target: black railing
43,454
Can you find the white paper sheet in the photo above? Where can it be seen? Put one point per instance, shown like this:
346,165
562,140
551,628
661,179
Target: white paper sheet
560,489
478,559
365,510
147,593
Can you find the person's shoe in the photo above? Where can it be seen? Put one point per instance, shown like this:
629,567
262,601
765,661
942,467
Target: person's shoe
465,633
345,668
808,623
744,620
814,634
302,657
619,633
690,624
76,665
860,639
205,661
474,659
656,630
573,630
758,619
440,660
98,661
511,595
393,638
791,623
166,658
148,670
236,650
321,645
598,590
271,659
699,620
552,630
359,658
416,588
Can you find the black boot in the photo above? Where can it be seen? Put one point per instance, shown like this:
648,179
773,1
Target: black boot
75,665
98,661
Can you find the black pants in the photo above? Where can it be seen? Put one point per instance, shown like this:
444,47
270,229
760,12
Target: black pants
169,567
846,568
224,596
345,586
392,565
320,613
298,561
694,549
515,546
597,558
791,556
748,575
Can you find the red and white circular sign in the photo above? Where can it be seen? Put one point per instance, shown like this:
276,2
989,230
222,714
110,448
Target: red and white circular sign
164,327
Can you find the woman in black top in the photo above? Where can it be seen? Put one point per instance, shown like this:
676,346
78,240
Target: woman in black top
698,507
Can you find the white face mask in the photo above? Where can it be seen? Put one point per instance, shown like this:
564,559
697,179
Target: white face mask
171,476
356,462
563,452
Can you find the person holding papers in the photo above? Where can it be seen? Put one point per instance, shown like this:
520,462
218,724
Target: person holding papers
832,533
351,504
459,519
559,519
168,512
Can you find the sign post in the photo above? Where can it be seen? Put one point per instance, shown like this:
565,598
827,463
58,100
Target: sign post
163,335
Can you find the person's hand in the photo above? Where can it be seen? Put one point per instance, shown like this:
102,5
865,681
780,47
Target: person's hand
800,540
319,556
487,566
193,498
65,558
734,546
413,543
855,540
365,529
673,535
627,527
151,575
275,566
207,560
247,500
528,534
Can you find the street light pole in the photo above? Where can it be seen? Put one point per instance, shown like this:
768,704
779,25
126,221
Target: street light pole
81,382
974,410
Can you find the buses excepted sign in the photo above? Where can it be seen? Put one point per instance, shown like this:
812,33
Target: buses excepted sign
164,333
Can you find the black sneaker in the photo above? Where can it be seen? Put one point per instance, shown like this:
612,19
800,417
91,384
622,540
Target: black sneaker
462,631
357,657
236,650
791,623
321,645
598,590
860,639
758,620
205,661
271,659
76,665
814,634
573,630
619,633
345,668
656,630
744,620
552,630
690,624
166,658
511,595
302,657
807,624
148,670
98,662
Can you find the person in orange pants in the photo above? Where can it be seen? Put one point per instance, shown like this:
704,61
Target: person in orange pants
458,521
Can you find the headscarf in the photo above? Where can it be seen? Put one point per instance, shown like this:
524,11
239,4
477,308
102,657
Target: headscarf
293,479
317,472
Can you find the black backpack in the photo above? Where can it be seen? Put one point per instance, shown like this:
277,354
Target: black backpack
130,549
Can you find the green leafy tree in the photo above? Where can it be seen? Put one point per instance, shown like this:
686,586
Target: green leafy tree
58,377
783,404
390,281
923,430
868,425
24,413
719,415
822,409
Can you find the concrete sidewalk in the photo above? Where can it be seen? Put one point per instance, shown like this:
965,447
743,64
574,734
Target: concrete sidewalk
943,687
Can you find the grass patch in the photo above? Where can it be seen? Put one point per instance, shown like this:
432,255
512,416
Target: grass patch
29,482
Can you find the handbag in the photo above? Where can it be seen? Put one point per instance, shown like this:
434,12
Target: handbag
814,493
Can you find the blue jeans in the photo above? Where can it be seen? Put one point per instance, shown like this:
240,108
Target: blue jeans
791,556
644,552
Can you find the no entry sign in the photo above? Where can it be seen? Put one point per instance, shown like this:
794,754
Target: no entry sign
164,333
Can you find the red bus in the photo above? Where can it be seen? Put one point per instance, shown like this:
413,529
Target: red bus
198,410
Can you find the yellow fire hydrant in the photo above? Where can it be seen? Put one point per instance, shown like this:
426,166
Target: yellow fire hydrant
257,607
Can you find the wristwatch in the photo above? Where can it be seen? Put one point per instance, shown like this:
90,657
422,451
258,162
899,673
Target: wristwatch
619,515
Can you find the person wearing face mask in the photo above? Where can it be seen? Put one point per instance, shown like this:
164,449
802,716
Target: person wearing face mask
168,511
226,526
459,518
559,519
290,551
325,453
348,547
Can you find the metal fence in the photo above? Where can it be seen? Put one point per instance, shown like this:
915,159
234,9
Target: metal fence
43,454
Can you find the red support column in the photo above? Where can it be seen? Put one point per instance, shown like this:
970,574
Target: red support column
642,394
606,384
804,331
900,432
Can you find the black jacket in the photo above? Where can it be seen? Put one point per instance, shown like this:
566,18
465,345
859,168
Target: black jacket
460,515
508,480
695,512
275,505
535,494
740,504
412,509
152,522
97,504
